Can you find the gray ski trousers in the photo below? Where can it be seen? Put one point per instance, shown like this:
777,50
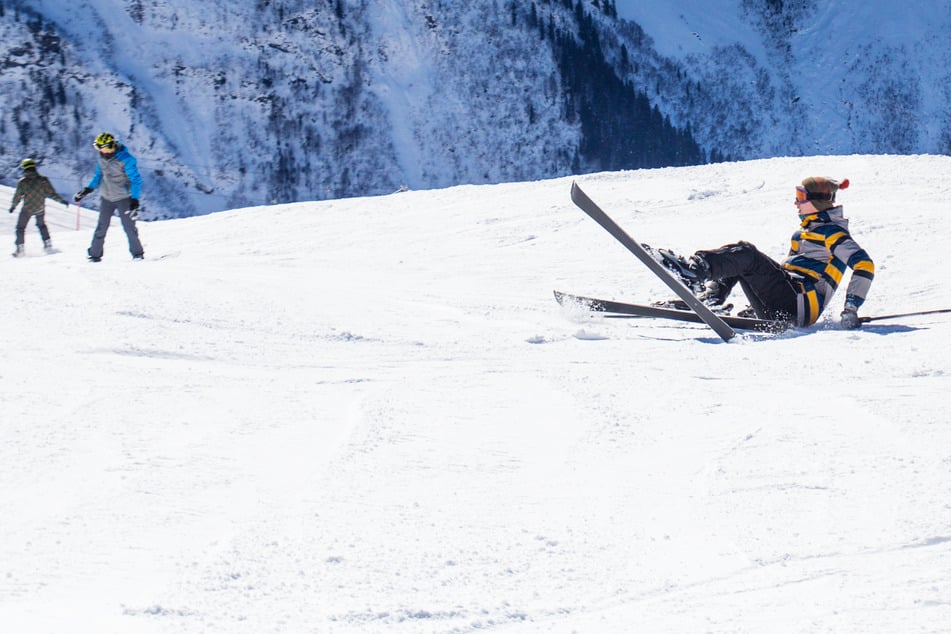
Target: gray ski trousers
106,209
22,221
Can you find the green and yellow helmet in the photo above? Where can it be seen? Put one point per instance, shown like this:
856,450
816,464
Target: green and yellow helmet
105,140
28,164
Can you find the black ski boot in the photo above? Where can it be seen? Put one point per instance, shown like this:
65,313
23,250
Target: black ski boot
693,272
747,312
715,293
679,304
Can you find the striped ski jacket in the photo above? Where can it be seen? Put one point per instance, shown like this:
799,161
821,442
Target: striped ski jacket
820,252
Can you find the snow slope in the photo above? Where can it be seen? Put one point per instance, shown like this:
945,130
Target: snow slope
370,415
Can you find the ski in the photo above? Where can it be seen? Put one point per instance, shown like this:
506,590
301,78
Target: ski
721,327
622,309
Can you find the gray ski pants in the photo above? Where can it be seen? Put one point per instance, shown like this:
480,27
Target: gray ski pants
106,209
22,221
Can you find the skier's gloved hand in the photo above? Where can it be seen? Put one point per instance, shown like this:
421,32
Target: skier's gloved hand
82,193
849,319
11,210
133,210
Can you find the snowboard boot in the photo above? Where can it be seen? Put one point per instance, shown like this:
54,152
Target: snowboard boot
48,246
693,271
19,253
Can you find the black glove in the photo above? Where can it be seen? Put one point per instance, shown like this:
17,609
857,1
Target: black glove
85,191
11,210
133,204
849,319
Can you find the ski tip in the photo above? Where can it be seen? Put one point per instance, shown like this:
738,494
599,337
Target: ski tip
577,194
564,299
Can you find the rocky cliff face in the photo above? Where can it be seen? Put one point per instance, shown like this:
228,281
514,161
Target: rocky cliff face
245,103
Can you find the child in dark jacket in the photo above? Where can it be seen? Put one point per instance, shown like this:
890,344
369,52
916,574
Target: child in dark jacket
33,189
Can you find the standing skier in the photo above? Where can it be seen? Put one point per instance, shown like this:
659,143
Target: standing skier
33,189
800,288
118,175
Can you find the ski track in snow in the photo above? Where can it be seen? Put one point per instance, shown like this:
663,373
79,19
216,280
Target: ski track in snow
370,415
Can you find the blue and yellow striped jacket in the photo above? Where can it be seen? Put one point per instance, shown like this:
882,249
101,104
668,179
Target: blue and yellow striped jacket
820,252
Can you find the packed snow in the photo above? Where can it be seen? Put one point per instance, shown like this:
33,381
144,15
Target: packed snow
371,415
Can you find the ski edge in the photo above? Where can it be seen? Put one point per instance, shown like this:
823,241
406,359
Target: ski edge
622,309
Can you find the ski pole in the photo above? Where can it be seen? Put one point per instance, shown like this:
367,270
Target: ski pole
865,320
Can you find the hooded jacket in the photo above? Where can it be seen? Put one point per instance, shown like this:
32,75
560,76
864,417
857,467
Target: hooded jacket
819,253
118,175
33,189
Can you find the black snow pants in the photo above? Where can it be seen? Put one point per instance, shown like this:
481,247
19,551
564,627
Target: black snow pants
772,291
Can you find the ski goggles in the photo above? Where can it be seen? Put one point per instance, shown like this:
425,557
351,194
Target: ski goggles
802,195
105,146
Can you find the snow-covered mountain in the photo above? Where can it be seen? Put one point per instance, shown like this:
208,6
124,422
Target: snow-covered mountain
808,77
244,103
